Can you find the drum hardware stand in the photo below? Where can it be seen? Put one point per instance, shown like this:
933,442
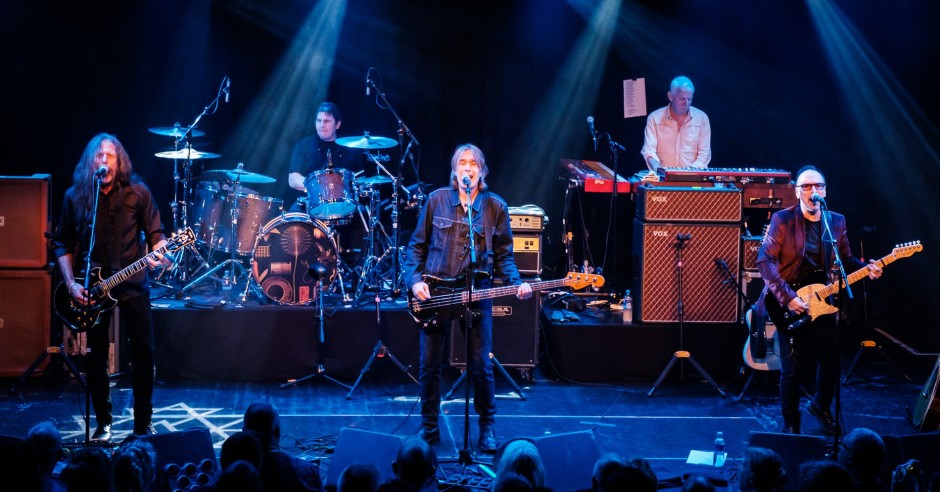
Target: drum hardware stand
681,353
380,350
230,277
319,270
371,263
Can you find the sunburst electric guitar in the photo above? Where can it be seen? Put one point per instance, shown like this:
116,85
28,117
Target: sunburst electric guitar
448,296
816,296
80,317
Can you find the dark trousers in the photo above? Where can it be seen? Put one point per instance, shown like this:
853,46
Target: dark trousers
481,369
813,349
136,327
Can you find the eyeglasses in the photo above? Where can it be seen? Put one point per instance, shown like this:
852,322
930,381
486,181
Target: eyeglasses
809,186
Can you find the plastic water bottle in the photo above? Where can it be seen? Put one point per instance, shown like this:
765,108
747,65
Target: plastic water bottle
719,456
627,308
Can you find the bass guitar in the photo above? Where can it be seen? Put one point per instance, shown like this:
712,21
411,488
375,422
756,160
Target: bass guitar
449,295
81,317
816,296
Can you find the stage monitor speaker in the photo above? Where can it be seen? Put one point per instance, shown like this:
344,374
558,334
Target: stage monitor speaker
185,460
686,204
793,449
515,334
569,459
707,297
25,317
527,250
363,446
24,221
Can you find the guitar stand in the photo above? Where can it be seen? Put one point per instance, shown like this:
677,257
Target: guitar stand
379,351
497,365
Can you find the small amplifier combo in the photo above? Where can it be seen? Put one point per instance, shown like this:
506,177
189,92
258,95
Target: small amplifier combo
750,246
528,218
688,204
527,250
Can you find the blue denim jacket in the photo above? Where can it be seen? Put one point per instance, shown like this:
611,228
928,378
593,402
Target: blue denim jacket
439,244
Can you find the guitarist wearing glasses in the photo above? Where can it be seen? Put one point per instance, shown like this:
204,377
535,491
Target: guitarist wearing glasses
796,251
126,211
439,248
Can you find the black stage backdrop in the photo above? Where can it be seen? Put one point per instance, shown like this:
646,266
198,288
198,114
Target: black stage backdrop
843,84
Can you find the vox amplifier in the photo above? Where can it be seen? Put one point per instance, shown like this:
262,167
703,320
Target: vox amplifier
750,246
686,204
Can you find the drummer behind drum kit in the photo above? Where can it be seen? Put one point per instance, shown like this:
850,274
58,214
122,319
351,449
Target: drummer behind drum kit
284,248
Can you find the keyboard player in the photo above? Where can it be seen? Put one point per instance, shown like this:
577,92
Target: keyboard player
678,135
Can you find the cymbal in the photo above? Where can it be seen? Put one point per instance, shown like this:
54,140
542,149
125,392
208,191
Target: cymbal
374,180
186,154
243,176
175,131
366,142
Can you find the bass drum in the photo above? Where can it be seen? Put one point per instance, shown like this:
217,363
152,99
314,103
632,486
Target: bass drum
285,250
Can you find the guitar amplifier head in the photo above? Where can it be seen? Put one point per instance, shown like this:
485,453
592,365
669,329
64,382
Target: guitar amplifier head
686,204
527,218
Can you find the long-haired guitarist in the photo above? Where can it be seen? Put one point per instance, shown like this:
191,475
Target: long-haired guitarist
439,247
126,210
797,250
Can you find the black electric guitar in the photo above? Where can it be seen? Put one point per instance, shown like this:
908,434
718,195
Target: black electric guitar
771,358
817,296
448,296
79,317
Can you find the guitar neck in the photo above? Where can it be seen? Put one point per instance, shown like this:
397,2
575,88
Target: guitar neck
855,276
509,290
129,271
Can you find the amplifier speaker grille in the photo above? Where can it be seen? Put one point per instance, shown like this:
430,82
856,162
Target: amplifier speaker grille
705,297
24,221
681,204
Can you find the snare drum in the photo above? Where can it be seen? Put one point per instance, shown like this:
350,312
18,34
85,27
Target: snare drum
284,251
330,194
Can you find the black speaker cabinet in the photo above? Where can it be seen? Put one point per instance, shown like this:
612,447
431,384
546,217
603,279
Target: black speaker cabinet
25,316
793,449
185,460
363,446
24,220
515,334
706,296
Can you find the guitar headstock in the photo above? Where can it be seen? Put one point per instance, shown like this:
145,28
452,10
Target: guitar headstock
907,249
181,239
578,280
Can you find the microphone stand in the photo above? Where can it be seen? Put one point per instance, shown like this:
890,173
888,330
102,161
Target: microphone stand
465,456
402,131
843,285
87,287
615,148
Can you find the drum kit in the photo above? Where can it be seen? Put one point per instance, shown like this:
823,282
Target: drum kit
282,248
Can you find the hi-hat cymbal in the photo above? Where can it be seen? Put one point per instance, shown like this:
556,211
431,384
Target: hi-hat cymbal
374,180
176,131
243,176
366,142
186,154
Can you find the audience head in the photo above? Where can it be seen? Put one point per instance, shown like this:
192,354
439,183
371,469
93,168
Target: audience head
521,457
824,476
242,445
863,454
263,418
133,466
512,482
19,468
88,469
636,475
46,443
697,483
240,476
416,462
761,471
359,477
606,465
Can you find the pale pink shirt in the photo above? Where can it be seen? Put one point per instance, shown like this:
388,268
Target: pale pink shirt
689,147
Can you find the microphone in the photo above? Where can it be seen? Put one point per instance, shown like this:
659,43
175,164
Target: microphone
368,82
590,122
466,181
318,269
683,237
815,198
101,171
228,83
721,262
